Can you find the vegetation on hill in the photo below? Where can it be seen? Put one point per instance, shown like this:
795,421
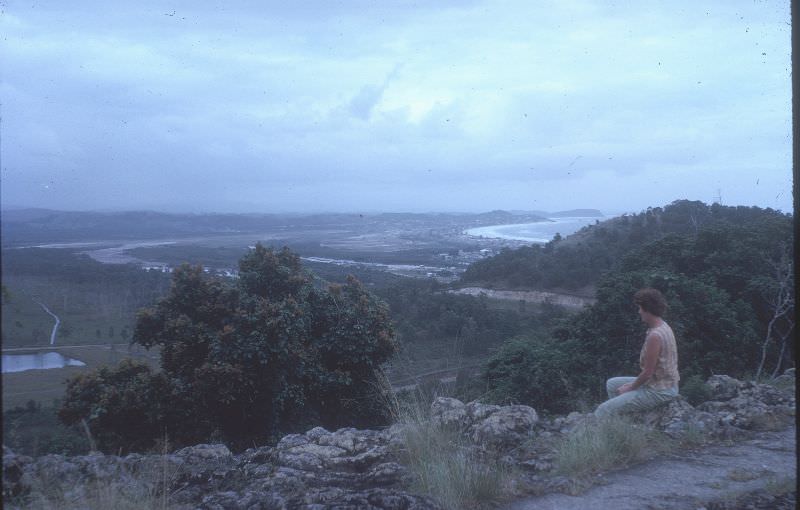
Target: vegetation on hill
242,362
581,259
731,304
426,315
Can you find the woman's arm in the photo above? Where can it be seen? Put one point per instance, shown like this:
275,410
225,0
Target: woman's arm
652,348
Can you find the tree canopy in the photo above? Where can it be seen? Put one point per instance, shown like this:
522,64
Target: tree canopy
731,306
241,362
580,259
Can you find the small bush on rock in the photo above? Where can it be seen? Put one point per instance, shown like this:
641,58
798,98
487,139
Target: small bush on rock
695,390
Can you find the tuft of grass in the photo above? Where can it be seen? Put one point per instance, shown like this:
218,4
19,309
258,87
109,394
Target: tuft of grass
692,437
444,463
602,444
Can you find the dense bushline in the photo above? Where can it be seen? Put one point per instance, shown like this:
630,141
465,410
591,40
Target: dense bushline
426,315
730,293
243,362
580,259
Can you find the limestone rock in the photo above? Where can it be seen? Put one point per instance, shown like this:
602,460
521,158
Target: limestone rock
736,408
448,412
505,427
477,411
678,418
723,387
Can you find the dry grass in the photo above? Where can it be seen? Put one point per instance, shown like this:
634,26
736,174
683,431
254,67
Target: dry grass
147,488
445,464
603,444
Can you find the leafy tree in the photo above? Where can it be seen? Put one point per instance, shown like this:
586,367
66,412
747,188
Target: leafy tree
124,406
714,334
249,361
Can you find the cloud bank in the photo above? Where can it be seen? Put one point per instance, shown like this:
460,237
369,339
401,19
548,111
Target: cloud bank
346,106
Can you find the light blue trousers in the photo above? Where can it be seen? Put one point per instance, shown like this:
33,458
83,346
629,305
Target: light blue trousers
640,399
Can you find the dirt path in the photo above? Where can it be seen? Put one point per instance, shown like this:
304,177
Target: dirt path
685,480
531,296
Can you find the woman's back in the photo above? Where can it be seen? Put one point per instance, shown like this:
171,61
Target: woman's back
666,374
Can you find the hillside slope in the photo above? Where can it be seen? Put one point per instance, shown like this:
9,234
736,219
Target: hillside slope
579,260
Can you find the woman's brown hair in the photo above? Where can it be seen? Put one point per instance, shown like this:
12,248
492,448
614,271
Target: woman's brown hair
651,300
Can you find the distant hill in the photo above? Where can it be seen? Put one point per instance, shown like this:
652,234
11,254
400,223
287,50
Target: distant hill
579,213
578,260
572,213
32,226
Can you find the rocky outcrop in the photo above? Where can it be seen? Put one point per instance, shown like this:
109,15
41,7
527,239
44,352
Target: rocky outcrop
488,426
347,468
351,468
735,409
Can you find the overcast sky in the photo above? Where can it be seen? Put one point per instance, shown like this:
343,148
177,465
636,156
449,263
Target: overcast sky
394,106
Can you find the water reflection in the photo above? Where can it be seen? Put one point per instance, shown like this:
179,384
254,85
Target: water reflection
42,360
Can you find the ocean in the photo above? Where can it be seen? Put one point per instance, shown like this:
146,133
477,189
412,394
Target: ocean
540,232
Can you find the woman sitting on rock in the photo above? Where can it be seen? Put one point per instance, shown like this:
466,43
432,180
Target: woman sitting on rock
658,381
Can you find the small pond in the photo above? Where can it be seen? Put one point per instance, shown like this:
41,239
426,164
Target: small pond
42,360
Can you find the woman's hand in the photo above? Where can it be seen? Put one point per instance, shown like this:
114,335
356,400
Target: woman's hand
625,388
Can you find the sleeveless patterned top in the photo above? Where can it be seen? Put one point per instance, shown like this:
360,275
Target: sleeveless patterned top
665,375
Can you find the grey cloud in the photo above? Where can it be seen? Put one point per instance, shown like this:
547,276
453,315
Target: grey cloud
291,101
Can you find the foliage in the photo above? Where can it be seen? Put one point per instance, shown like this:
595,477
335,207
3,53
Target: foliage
695,390
708,326
426,314
717,278
535,371
244,362
583,257
34,430
124,406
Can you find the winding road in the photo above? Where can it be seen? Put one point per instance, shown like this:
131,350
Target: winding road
55,327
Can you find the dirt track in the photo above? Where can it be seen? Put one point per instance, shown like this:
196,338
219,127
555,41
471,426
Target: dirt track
531,296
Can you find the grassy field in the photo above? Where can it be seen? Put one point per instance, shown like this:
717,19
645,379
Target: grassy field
24,321
88,315
42,386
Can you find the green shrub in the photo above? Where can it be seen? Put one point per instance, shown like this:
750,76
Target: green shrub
536,372
695,390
